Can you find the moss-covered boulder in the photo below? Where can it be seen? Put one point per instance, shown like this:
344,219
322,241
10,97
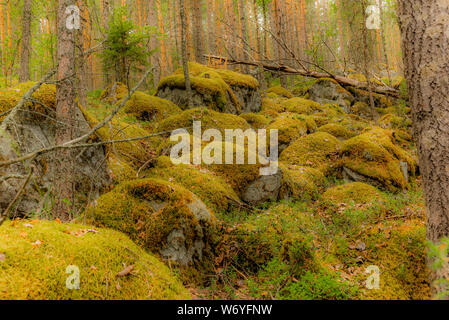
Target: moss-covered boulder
356,192
373,158
363,110
114,93
162,217
317,150
256,120
208,187
337,131
280,91
33,128
150,108
37,255
302,106
380,100
391,121
271,108
327,90
301,183
209,120
220,90
290,128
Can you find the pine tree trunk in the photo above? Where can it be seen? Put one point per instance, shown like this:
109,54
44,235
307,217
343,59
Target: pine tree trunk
425,40
65,108
154,60
26,43
185,65
198,30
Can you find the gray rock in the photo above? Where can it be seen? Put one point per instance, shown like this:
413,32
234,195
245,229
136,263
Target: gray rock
265,188
327,91
27,132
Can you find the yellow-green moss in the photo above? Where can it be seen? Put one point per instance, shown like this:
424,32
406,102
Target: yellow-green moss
149,210
357,192
301,183
373,155
150,108
119,170
302,106
280,91
362,109
114,93
213,86
316,150
209,120
37,254
290,128
337,130
271,108
232,78
380,100
209,188
399,250
390,121
256,121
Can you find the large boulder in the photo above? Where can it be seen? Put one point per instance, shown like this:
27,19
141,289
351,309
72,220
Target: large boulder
164,218
219,89
31,129
328,90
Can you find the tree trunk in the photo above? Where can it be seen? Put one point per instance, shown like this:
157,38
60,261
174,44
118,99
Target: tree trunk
185,65
154,59
65,109
425,40
26,43
198,44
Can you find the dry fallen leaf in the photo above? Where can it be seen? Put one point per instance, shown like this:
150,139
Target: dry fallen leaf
27,225
23,234
2,257
125,272
36,244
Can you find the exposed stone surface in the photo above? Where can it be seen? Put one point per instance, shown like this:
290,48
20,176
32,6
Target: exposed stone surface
329,91
265,188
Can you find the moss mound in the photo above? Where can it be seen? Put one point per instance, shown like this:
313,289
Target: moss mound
211,189
45,99
37,254
301,183
302,106
271,108
315,150
391,121
114,93
120,170
256,121
162,217
337,130
374,155
357,192
290,128
150,108
281,92
209,120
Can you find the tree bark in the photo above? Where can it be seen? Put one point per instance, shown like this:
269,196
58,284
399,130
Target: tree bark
425,42
65,109
185,65
198,43
26,43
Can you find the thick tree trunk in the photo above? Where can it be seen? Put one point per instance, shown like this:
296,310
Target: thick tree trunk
198,43
425,39
65,109
26,43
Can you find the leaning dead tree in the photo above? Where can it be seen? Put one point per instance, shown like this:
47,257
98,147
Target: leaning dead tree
344,81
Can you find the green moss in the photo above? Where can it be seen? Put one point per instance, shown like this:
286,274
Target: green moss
280,91
380,100
120,170
315,150
150,108
271,108
301,183
256,121
373,155
337,130
232,78
209,120
357,192
114,93
302,106
205,84
211,189
37,254
390,121
150,210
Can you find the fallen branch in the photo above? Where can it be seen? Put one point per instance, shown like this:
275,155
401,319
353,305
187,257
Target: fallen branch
343,81
5,214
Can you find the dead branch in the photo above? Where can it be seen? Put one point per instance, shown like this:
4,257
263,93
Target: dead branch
344,81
